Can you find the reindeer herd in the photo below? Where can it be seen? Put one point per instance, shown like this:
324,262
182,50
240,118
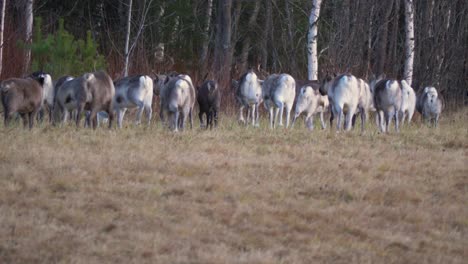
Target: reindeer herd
90,95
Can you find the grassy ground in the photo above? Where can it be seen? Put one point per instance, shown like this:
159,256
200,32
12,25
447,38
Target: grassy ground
234,195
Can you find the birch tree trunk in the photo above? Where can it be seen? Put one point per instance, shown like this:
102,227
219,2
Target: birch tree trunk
312,60
28,15
2,28
127,37
409,41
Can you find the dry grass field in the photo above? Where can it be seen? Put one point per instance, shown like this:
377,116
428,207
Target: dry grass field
234,195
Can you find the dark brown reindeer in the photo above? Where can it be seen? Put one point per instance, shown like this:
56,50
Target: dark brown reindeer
209,101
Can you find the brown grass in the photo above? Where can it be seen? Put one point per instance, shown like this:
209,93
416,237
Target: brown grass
234,195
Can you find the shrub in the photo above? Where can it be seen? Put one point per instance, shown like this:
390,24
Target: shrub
60,53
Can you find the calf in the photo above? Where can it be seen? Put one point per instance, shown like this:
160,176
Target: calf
387,101
278,92
133,92
209,100
343,93
430,105
177,100
311,102
408,102
23,96
249,94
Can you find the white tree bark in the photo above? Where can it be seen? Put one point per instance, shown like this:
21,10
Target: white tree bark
312,60
2,28
28,14
127,37
128,50
409,41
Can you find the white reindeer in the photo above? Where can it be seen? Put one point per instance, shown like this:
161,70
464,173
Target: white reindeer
133,92
408,102
366,101
311,102
387,101
249,94
343,93
278,92
178,99
430,105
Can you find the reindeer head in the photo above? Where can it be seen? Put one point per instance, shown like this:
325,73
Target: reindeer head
39,76
431,94
326,82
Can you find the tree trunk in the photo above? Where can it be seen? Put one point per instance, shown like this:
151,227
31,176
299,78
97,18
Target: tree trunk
223,59
382,48
290,46
346,19
266,29
312,61
246,43
393,50
409,41
28,19
127,37
2,28
206,32
236,14
369,41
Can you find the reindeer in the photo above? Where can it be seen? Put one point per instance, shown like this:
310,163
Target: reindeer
249,94
430,105
177,100
91,92
311,102
23,96
408,102
209,100
278,92
343,93
387,101
47,95
133,92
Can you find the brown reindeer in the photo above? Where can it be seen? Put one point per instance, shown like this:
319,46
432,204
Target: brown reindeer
22,96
